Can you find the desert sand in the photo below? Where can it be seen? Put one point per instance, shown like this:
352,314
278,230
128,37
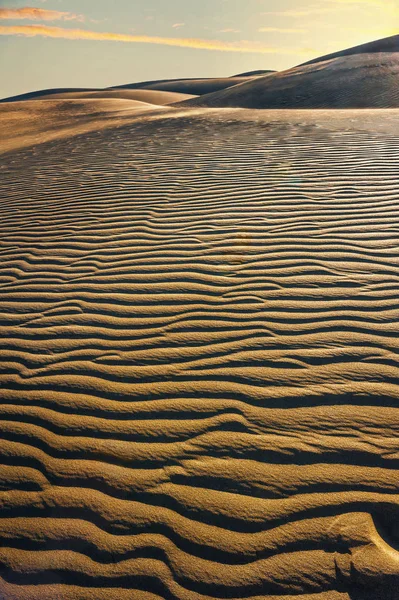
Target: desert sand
182,89
32,122
199,352
362,77
196,87
157,97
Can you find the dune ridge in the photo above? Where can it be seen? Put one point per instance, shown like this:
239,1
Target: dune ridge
199,360
155,97
389,44
362,77
196,87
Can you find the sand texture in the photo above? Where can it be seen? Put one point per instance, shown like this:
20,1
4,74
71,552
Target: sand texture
199,359
31,122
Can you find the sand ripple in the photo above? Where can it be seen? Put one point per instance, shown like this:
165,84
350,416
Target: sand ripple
199,362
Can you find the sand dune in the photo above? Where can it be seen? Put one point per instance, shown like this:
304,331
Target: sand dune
45,93
31,122
155,97
354,81
196,87
389,44
199,325
254,73
365,76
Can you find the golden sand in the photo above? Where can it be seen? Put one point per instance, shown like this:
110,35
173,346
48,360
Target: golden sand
199,362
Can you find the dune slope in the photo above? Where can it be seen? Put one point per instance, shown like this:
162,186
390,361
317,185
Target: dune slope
156,97
45,93
195,87
199,358
254,73
32,122
367,80
389,44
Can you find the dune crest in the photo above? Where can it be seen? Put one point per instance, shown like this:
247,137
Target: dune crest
362,77
197,87
156,97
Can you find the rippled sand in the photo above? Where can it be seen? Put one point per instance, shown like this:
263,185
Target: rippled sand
199,364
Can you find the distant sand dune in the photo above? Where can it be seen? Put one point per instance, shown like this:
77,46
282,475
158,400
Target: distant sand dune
254,73
353,81
45,93
199,360
389,44
148,96
195,87
156,97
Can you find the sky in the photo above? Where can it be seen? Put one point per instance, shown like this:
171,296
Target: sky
100,43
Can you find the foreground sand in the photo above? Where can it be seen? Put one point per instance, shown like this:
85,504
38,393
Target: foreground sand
199,374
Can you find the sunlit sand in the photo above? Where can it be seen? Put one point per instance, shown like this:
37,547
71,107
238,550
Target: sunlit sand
199,363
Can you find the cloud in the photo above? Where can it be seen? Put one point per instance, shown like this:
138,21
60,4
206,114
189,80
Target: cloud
38,14
280,30
202,44
178,25
229,30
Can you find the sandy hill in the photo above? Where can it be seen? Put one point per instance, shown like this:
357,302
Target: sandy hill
45,93
389,44
197,87
166,91
362,77
155,97
32,122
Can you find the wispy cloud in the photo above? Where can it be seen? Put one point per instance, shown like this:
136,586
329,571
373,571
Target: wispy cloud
280,30
178,25
229,30
202,44
38,14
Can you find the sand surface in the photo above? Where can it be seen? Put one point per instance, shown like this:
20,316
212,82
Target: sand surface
388,44
31,122
156,97
199,358
367,80
196,87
